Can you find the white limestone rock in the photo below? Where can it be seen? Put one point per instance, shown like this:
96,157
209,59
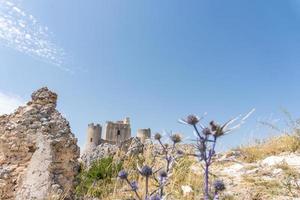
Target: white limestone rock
292,160
101,151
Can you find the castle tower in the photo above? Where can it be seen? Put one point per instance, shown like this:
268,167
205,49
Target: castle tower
93,136
117,132
127,120
144,134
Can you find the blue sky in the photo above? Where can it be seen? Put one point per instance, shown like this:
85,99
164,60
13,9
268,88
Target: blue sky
157,61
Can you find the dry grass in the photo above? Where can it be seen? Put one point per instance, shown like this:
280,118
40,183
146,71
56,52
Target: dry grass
184,174
181,176
290,179
273,146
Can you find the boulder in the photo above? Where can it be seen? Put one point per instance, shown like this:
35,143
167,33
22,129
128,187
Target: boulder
101,151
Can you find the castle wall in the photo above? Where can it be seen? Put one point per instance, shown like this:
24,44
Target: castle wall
117,132
144,134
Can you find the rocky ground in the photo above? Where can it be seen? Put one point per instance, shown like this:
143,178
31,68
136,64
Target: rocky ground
272,177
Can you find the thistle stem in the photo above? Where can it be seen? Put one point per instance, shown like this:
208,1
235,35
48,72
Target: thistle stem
136,193
147,182
216,197
206,177
161,191
212,149
197,131
163,146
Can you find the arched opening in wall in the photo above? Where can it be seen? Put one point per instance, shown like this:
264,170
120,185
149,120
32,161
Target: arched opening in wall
91,140
118,133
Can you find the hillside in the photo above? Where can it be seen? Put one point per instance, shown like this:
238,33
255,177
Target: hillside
268,170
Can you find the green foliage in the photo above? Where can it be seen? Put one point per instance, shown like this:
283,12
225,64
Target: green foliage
98,180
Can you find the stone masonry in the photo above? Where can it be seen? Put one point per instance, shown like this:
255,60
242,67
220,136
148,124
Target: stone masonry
117,132
38,151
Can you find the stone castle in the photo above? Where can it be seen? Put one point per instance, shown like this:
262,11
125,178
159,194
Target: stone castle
114,133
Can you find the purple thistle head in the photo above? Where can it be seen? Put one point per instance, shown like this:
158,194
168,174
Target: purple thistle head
162,174
146,171
134,186
217,130
192,120
176,138
155,197
157,136
180,152
206,131
123,174
213,125
219,185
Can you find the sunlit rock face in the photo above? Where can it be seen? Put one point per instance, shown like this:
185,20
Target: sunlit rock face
38,151
103,150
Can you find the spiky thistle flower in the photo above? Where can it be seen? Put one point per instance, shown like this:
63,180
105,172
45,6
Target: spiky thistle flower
206,131
162,176
145,171
155,197
157,136
217,130
219,185
134,186
191,120
176,138
180,152
213,125
123,174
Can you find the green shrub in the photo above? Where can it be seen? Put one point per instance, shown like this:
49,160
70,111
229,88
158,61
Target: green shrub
99,178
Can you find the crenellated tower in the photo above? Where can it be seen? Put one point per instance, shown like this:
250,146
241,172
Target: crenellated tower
117,132
93,136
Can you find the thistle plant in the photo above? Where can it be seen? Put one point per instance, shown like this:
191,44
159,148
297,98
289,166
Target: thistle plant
169,154
218,186
206,140
147,172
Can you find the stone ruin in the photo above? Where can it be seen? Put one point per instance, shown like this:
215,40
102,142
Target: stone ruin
116,133
38,152
39,156
117,136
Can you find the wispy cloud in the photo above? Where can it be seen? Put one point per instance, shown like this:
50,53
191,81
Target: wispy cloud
22,31
9,102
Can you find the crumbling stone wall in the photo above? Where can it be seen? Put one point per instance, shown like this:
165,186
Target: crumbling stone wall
38,151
